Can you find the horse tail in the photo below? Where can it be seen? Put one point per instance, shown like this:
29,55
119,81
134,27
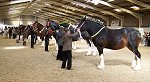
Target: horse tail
135,37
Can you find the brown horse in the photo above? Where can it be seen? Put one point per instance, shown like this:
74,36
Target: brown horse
20,31
115,39
41,30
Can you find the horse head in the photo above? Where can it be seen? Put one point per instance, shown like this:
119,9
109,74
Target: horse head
54,25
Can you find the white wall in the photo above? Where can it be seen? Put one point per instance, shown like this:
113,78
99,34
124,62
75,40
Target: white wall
25,20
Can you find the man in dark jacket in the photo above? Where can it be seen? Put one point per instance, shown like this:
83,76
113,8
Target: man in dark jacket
60,34
46,39
67,49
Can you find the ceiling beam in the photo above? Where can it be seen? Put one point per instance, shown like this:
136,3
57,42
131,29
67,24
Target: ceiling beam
139,3
77,9
97,9
58,12
55,11
123,9
63,10
13,6
13,9
55,14
14,2
30,3
55,18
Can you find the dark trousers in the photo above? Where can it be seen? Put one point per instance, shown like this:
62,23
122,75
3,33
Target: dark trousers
32,40
10,36
14,35
46,43
59,54
67,57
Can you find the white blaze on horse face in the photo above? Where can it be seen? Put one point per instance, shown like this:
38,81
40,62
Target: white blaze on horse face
101,65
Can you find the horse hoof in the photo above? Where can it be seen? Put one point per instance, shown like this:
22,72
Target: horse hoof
74,48
136,68
88,54
100,67
94,54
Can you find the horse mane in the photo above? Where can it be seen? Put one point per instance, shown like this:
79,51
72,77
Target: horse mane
95,20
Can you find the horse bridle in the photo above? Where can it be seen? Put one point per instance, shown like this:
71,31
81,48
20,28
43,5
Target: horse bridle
79,28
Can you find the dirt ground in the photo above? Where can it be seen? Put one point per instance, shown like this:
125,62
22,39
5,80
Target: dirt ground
22,64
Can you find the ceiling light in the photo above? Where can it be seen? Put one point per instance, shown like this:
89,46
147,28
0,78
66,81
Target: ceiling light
110,0
135,7
47,4
96,2
118,10
82,5
37,11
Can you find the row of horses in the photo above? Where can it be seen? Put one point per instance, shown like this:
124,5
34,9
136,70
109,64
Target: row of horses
101,36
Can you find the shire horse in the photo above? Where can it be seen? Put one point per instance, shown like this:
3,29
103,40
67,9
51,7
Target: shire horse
20,31
42,31
115,39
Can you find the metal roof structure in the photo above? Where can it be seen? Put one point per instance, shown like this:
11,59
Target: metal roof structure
73,10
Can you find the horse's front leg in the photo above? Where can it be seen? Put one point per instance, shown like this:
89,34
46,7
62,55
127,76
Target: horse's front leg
101,64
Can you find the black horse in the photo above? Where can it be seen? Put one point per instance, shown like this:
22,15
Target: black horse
115,39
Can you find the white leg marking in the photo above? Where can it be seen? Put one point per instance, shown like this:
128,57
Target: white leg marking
43,44
133,63
56,46
101,65
94,51
89,51
138,66
38,38
29,38
37,42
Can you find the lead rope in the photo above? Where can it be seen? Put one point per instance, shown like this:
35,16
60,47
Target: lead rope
79,30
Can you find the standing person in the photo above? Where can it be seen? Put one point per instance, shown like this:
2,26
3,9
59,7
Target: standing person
10,32
46,39
6,32
59,35
67,49
47,36
32,36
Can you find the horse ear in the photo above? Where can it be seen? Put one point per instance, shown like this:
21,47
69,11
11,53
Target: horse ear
84,18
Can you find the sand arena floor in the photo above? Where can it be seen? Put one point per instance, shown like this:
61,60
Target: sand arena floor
22,64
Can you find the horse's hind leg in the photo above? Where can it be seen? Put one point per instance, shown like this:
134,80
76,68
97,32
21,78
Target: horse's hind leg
138,57
133,63
136,63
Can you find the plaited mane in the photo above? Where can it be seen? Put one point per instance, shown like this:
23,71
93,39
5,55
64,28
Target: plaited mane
95,20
